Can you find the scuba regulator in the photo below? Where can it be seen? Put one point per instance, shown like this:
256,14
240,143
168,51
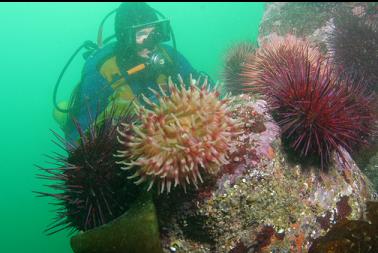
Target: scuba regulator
162,32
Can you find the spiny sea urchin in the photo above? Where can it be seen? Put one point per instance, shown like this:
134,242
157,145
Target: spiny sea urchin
270,56
188,130
90,188
353,44
317,109
235,59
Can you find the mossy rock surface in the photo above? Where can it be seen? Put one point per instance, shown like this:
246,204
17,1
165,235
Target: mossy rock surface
263,200
135,231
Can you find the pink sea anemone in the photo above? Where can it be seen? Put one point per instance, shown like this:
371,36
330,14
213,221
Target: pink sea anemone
187,131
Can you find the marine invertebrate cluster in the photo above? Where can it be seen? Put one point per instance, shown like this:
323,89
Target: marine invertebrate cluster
188,130
90,188
236,57
318,109
272,192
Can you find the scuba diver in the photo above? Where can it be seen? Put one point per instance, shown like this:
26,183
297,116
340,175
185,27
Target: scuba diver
122,70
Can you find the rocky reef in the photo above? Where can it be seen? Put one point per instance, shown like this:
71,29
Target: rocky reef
312,20
262,200
243,189
346,32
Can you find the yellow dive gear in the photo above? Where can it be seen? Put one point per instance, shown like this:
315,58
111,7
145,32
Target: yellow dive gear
59,116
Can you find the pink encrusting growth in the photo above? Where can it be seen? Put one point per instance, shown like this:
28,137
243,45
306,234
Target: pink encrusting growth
318,108
187,131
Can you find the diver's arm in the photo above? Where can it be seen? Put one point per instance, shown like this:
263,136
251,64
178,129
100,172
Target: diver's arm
184,68
91,99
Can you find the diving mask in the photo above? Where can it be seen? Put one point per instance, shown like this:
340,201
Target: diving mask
150,34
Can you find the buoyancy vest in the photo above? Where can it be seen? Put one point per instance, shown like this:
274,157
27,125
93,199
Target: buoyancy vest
104,84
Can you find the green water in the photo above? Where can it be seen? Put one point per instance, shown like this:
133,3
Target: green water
36,40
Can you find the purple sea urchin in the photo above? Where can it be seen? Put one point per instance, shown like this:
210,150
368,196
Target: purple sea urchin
188,130
353,44
92,189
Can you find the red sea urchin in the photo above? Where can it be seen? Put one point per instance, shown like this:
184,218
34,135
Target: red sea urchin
89,186
271,55
236,57
317,109
188,130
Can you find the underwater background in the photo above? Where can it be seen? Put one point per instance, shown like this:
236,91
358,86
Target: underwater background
37,40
